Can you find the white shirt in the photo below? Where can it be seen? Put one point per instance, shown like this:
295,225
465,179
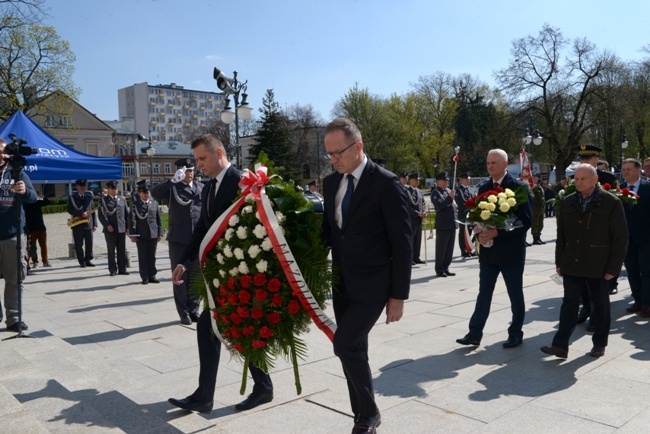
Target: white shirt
343,186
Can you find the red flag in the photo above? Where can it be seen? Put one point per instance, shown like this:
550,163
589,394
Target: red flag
456,158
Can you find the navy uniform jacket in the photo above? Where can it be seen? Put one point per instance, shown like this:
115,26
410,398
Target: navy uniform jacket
372,252
416,201
638,215
463,194
77,205
510,246
184,208
113,212
445,213
145,220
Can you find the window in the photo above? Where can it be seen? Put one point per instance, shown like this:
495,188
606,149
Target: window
156,168
144,169
168,168
50,121
128,170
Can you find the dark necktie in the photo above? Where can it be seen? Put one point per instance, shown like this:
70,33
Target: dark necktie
345,203
496,185
631,188
211,196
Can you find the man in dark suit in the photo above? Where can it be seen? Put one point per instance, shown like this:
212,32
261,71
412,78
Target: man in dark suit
183,194
442,199
416,204
368,226
145,229
637,260
463,194
114,217
216,197
506,256
80,205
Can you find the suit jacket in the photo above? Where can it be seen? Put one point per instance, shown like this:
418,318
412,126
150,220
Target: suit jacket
638,215
211,209
184,208
372,252
78,204
148,227
113,212
445,212
510,246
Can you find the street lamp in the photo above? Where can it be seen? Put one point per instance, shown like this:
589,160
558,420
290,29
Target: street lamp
528,139
150,152
242,110
624,144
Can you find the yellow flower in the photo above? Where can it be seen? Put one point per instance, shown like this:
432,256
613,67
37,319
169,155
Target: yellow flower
491,207
502,195
492,198
482,205
485,214
509,193
504,207
512,201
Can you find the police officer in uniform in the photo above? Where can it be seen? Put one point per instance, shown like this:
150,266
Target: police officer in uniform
145,230
114,217
463,194
442,199
416,209
80,205
183,194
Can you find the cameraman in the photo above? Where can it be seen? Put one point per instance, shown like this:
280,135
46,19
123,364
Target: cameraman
8,240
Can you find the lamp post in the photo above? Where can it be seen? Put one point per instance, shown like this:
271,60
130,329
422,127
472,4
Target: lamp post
528,139
624,144
243,111
150,152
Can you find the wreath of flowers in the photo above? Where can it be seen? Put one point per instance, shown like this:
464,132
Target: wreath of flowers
258,314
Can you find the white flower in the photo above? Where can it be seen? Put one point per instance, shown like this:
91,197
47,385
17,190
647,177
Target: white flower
228,234
491,207
254,250
261,266
239,253
482,205
234,272
266,244
242,232
502,195
492,198
220,258
250,197
247,210
510,193
280,217
234,219
485,214
504,207
227,251
257,215
243,268
222,273
512,201
259,231
215,282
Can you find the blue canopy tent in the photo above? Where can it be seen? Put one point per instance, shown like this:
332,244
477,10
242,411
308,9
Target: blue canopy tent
56,162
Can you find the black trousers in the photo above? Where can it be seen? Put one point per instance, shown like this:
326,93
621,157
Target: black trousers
209,352
416,227
599,292
186,304
147,257
116,241
444,249
81,235
354,320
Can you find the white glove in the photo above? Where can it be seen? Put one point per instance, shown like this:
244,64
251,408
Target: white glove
179,176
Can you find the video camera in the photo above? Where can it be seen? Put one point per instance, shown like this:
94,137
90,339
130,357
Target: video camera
17,152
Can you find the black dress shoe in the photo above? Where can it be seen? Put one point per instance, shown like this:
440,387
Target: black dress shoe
597,351
467,340
112,273
255,399
613,291
82,265
186,320
419,261
145,281
583,315
153,280
512,342
194,317
89,264
190,404
441,274
528,244
449,273
14,327
124,273
555,351
365,425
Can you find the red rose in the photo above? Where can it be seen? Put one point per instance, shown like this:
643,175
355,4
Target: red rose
266,332
469,203
625,192
260,295
293,307
235,333
238,347
232,299
248,331
274,285
244,296
235,318
260,279
245,280
223,290
224,318
231,283
226,334
215,315
257,313
606,186
273,317
276,301
242,312
221,300
258,344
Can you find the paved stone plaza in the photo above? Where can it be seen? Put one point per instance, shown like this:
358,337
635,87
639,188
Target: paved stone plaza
108,352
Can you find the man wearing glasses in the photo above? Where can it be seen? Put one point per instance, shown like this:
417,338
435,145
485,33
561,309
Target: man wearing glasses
367,224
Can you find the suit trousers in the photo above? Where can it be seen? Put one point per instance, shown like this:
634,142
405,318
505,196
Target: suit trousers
444,249
599,291
186,304
83,236
513,277
41,238
209,352
637,264
9,269
416,227
461,238
115,240
354,320
147,257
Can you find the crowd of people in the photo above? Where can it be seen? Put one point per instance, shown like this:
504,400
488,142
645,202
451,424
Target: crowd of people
373,221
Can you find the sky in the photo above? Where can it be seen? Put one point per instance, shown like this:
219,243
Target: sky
313,51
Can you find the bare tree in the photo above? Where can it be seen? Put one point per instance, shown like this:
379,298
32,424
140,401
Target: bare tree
306,129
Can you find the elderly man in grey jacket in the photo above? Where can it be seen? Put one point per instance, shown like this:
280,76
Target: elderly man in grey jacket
591,245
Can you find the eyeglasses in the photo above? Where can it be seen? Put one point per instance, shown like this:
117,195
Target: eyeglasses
338,154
